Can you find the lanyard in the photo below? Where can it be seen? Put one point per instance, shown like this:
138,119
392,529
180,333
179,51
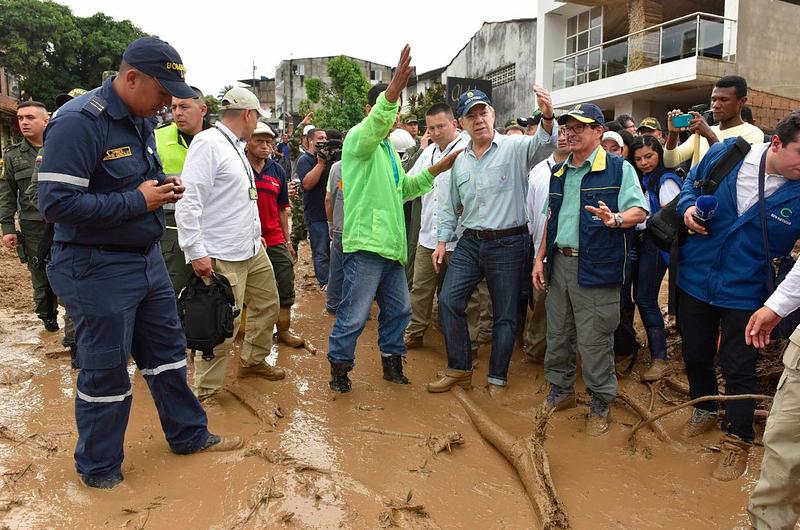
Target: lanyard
448,151
248,170
394,163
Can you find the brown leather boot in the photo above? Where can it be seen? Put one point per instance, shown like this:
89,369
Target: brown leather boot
221,443
449,379
732,461
284,334
273,373
658,369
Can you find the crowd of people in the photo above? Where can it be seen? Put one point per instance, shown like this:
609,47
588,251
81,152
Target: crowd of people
540,231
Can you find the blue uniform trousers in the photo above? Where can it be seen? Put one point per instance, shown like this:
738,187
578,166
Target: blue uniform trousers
123,304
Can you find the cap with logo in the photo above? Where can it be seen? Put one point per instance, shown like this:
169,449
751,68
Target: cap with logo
263,128
611,135
584,113
650,123
239,98
63,98
156,58
410,118
470,98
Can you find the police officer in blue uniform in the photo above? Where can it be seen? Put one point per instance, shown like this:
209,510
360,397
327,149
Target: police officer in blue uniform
103,186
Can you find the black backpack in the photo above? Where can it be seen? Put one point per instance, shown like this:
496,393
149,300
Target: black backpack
207,313
666,226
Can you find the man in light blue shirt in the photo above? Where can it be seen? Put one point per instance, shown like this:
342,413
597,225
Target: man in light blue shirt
488,186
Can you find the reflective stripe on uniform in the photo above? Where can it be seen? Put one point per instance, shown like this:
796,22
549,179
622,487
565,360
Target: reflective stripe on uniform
104,399
82,182
163,368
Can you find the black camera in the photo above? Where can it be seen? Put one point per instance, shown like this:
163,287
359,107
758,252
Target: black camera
703,110
330,150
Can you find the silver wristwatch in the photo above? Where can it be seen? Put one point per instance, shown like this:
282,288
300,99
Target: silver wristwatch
619,220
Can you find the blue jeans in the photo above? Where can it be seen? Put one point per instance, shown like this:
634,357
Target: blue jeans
320,249
650,273
502,263
336,275
368,276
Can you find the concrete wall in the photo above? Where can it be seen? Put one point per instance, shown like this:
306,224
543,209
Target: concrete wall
768,31
290,88
496,45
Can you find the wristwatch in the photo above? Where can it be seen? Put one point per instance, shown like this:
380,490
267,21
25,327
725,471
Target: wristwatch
619,220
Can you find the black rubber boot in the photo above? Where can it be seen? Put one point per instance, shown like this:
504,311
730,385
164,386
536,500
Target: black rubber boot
339,380
393,369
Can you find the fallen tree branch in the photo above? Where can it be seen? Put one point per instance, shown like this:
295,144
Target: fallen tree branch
44,445
639,409
652,419
678,386
436,443
310,348
528,457
264,408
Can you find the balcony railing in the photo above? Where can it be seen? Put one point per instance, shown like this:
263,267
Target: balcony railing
695,35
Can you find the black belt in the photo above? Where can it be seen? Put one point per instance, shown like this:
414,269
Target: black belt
569,252
119,248
497,234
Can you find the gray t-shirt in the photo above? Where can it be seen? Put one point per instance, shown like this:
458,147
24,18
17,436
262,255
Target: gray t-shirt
337,197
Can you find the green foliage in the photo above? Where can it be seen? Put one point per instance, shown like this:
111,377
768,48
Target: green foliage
213,105
341,105
223,90
418,104
314,89
305,106
54,51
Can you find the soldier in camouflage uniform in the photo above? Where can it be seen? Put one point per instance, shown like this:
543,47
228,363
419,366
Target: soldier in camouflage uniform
21,160
299,232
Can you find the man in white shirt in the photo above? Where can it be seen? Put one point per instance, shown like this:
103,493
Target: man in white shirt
219,231
538,189
727,99
442,127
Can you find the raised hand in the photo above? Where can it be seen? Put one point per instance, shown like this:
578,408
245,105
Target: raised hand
401,75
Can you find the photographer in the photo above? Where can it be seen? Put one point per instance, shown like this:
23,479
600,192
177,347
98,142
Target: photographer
727,99
312,170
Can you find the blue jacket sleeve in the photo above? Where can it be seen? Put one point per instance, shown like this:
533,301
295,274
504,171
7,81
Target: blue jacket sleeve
699,173
74,151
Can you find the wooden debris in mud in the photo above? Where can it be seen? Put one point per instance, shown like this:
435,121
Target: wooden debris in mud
676,385
10,478
274,456
262,494
649,420
403,514
528,457
639,409
7,504
259,404
34,440
310,348
436,443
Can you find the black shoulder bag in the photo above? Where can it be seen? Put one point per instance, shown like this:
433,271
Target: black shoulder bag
207,313
666,226
775,269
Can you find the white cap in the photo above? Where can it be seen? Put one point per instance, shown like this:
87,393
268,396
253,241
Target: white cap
307,129
402,140
611,135
263,128
239,98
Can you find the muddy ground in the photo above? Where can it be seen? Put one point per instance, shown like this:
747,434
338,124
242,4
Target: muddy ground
316,468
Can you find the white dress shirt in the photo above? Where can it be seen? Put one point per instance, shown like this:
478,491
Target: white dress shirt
747,180
217,216
786,297
431,201
538,192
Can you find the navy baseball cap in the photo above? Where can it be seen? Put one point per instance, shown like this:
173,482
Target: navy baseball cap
584,113
470,98
156,58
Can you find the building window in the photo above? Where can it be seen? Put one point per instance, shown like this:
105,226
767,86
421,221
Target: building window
584,31
503,75
299,69
376,75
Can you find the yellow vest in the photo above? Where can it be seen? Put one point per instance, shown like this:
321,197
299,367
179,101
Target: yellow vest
171,148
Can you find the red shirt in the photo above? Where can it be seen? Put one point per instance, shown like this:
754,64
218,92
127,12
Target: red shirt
273,196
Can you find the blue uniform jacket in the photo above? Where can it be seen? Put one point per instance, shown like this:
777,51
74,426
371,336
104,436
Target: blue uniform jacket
727,267
97,154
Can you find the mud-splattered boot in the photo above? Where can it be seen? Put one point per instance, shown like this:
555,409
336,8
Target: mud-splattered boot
393,369
284,334
339,381
732,461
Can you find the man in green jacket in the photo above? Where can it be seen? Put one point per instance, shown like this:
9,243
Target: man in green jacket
374,237
21,160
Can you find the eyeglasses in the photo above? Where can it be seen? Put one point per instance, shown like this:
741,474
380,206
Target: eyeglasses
578,128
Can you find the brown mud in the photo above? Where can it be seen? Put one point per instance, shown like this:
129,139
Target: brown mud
318,466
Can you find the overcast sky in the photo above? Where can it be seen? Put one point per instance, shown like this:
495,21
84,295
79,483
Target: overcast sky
219,41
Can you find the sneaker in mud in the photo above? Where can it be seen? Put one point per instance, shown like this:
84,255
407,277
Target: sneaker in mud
560,398
700,422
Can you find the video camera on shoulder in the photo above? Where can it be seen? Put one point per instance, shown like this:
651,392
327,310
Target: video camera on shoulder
330,150
705,112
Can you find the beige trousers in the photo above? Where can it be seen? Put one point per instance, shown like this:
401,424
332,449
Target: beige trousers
775,502
253,283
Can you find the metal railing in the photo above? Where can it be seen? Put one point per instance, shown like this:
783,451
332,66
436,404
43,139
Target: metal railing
699,34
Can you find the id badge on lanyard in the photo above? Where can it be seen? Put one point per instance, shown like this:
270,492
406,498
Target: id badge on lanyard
253,194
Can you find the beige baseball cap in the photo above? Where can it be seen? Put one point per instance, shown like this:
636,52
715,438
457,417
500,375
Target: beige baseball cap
263,128
239,98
